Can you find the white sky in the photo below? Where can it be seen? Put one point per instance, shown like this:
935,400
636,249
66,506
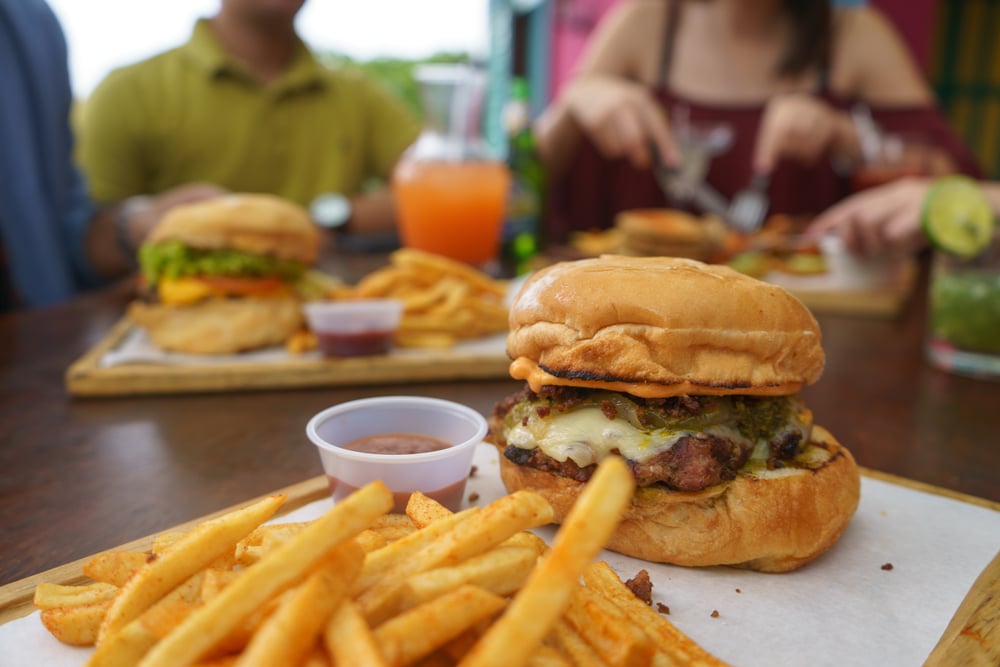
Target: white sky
104,34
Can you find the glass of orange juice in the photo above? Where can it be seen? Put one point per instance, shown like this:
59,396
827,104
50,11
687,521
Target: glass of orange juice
451,194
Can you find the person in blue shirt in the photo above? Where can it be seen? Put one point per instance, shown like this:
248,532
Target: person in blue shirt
54,242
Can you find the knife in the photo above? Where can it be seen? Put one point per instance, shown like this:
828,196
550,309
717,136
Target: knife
677,187
972,637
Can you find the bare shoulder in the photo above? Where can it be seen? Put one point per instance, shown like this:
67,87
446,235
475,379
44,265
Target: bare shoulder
627,41
871,60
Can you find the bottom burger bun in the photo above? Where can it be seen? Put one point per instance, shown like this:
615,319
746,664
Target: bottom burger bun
219,326
765,520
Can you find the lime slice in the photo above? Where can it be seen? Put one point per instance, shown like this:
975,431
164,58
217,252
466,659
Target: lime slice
957,217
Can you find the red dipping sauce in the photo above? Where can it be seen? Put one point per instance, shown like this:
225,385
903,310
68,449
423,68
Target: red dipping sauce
396,443
401,443
449,496
359,344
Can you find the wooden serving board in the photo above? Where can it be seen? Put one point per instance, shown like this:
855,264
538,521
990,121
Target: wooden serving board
87,376
886,301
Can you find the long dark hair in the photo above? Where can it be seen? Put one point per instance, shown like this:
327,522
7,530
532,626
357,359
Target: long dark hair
812,25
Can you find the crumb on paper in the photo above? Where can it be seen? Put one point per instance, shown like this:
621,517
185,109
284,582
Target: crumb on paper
738,590
884,513
886,566
473,470
663,609
641,586
715,613
473,497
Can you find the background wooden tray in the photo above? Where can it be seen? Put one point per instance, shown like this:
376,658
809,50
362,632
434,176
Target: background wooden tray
883,302
88,377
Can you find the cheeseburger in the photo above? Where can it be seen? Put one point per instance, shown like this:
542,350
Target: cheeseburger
220,274
690,372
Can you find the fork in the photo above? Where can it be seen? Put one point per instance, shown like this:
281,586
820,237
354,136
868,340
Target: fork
750,204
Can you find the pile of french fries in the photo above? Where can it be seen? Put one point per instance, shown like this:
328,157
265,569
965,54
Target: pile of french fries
360,586
444,301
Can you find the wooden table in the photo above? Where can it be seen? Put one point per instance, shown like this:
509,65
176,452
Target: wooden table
78,476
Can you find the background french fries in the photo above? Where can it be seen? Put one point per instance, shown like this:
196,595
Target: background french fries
444,301
360,586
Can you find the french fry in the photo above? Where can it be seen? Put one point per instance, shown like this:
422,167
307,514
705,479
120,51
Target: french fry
496,522
370,541
194,551
680,648
349,639
316,658
49,596
443,301
604,627
541,601
289,634
393,526
576,647
76,625
546,656
282,569
199,547
418,632
501,571
114,567
422,510
381,560
126,646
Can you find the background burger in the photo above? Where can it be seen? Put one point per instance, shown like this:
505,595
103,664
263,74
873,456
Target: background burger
220,274
690,372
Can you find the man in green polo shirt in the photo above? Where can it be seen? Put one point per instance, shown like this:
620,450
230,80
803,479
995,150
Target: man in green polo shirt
244,105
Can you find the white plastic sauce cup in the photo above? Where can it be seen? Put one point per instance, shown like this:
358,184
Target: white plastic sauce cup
440,474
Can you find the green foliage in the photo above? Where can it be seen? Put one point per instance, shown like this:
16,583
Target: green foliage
395,74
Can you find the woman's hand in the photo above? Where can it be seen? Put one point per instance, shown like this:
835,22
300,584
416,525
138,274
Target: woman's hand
800,127
622,119
882,220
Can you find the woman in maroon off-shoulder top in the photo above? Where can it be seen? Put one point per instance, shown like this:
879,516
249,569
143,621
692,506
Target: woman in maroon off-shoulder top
777,80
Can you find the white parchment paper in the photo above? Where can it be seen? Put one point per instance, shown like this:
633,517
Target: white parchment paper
842,609
136,348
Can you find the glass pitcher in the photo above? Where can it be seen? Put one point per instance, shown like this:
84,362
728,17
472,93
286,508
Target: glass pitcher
451,192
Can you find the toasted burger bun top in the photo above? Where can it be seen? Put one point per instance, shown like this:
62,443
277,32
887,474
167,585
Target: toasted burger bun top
657,327
254,223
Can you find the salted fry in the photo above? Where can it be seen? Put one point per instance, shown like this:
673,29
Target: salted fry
349,639
76,625
283,568
576,647
680,648
288,635
193,552
419,631
501,571
444,301
535,608
546,656
114,567
381,560
618,642
48,596
494,524
422,510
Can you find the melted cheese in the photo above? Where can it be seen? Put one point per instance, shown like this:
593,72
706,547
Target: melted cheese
587,436
182,291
